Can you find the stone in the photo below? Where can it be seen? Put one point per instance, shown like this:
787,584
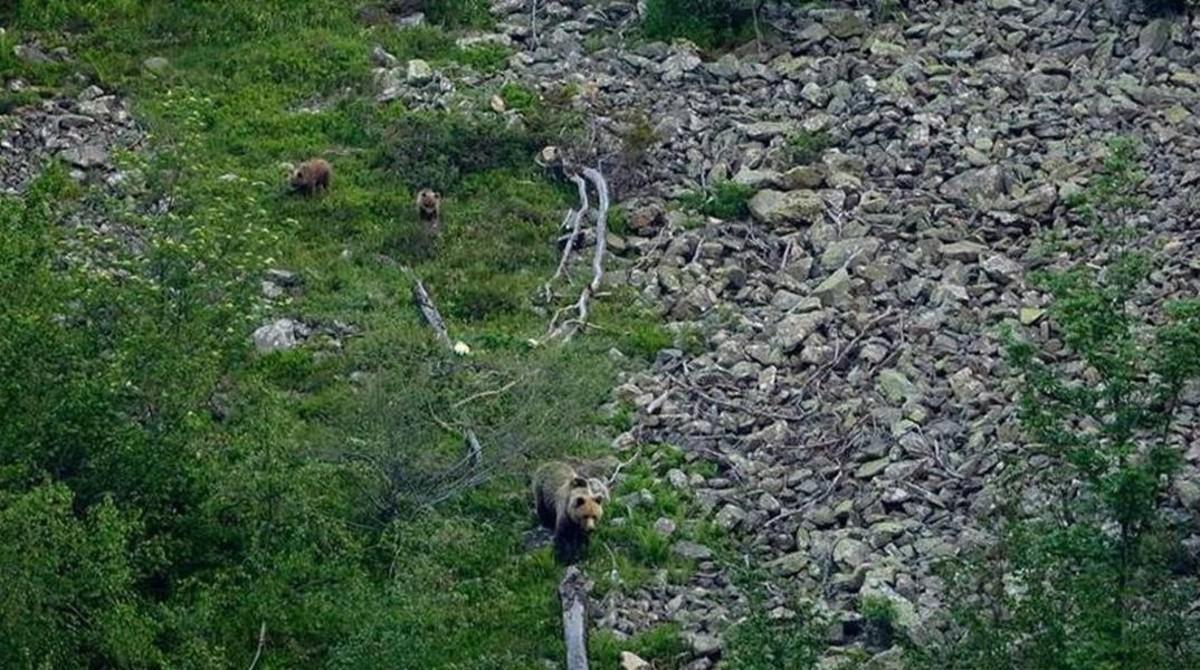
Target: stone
906,618
382,58
780,208
871,468
850,553
156,64
1154,36
1188,491
86,155
631,661
729,517
703,644
691,551
279,335
766,130
756,179
1001,268
965,386
982,188
1031,315
793,329
834,289
803,177
664,527
965,251
843,24
790,564
851,252
31,54
418,71
896,387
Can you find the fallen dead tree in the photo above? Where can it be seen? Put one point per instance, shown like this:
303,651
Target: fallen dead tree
563,325
469,471
573,592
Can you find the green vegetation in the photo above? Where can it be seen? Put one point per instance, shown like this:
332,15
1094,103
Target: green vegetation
761,642
1113,193
806,147
1096,576
726,200
710,24
1090,581
165,491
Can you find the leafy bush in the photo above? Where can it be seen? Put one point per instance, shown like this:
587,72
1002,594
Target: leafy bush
436,151
1115,190
726,200
708,23
762,643
804,146
459,13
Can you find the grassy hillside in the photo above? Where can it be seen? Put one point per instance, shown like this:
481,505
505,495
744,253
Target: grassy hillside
166,492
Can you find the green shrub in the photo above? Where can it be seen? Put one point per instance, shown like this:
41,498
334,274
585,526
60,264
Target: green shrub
805,147
726,200
459,13
487,58
762,643
64,14
1114,191
708,23
435,151
518,97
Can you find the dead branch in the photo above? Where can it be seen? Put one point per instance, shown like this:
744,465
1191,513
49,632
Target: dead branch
574,219
485,394
601,185
569,328
785,416
572,590
474,449
612,479
262,641
883,319
429,311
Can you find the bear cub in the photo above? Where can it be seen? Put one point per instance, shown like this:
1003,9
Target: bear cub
311,176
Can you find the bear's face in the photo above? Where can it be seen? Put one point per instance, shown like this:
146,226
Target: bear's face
586,510
296,179
585,505
429,200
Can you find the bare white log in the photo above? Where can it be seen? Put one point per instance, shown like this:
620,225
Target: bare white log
572,590
581,306
601,186
429,312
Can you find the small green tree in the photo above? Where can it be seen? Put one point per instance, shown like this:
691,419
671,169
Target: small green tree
1086,580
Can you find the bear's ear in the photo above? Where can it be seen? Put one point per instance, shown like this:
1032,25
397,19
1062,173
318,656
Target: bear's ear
579,483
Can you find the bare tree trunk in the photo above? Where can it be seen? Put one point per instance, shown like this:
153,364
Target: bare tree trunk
573,591
429,312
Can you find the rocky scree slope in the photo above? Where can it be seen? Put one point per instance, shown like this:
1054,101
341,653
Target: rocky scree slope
854,391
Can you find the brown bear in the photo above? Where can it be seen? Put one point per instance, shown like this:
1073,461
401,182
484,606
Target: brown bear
429,209
311,176
569,504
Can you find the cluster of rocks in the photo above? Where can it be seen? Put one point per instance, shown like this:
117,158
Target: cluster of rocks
84,131
854,390
287,333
